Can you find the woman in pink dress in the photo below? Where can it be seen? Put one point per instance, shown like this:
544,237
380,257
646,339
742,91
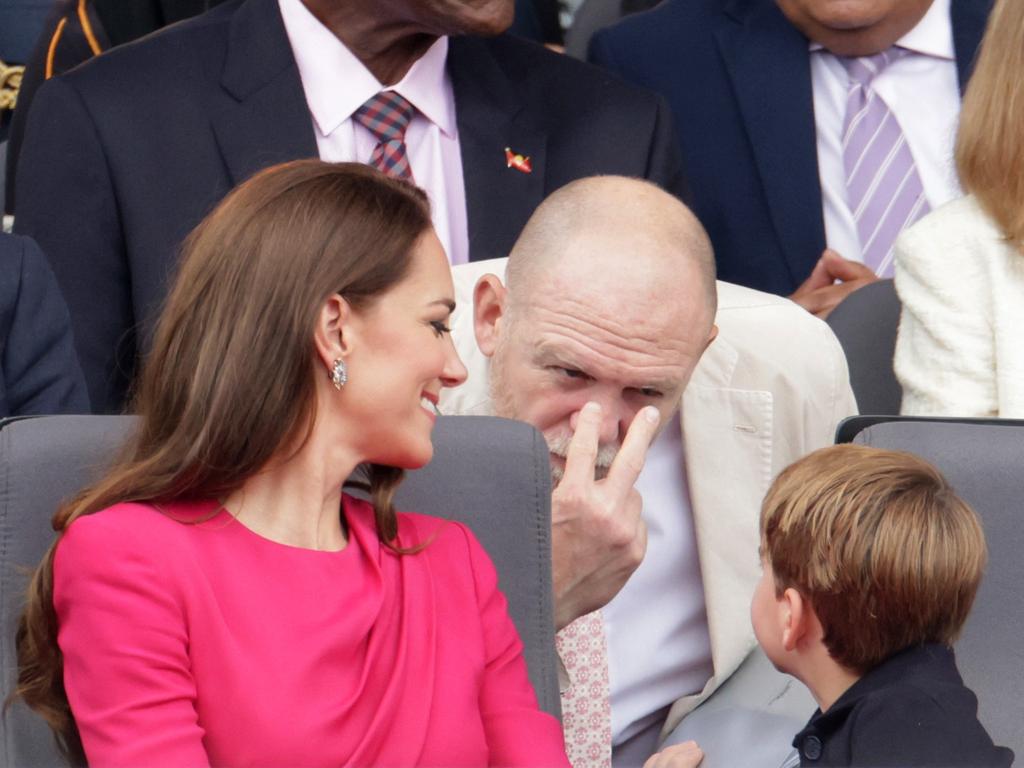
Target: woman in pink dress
215,599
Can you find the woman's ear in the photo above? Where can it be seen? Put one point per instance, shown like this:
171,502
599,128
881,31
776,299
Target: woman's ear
333,335
489,298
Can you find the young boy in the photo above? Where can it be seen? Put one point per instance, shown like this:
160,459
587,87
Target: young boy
871,563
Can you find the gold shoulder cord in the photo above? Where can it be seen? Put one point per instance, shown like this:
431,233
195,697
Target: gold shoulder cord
10,83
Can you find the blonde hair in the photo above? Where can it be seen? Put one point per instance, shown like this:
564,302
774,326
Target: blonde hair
880,545
990,141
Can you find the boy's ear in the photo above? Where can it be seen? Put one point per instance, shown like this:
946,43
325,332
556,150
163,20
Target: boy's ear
796,618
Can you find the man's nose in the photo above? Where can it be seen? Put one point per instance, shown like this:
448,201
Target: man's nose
611,428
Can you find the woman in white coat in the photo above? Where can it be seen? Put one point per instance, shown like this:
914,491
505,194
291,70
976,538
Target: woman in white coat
960,270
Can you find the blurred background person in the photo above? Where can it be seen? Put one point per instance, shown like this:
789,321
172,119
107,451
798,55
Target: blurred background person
39,370
960,271
125,154
72,31
215,598
786,111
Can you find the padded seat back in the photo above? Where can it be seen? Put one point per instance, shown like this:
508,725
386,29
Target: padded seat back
984,461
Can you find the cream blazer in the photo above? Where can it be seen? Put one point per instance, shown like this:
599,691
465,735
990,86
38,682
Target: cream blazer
771,388
959,350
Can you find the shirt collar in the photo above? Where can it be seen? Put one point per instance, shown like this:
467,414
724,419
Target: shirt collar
336,82
931,36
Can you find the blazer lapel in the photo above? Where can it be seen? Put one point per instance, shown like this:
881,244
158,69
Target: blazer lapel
490,118
968,18
727,439
768,62
260,117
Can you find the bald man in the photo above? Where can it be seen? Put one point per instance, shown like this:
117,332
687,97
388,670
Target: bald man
609,299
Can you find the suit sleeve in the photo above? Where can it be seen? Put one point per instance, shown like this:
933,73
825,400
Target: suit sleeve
67,202
518,732
945,357
123,634
41,370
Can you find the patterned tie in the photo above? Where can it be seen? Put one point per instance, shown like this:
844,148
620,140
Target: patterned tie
883,188
586,704
386,116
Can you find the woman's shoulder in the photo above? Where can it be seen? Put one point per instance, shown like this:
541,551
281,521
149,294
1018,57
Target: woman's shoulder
139,526
962,220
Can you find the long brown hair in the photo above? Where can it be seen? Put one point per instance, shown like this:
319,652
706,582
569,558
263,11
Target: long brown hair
228,382
990,142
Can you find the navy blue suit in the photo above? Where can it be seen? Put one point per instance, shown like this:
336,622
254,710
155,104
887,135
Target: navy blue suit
40,372
124,155
738,78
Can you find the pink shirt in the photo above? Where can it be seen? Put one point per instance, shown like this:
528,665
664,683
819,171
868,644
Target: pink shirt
336,84
199,643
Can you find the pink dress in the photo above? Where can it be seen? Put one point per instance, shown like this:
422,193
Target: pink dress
201,643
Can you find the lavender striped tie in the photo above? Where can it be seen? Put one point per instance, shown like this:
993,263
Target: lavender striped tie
883,188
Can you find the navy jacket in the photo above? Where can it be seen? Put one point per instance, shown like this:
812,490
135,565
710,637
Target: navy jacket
911,710
737,75
124,155
40,371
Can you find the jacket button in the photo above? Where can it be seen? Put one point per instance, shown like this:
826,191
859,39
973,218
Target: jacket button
811,748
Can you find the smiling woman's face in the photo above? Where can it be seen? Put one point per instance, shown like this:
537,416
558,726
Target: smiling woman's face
403,358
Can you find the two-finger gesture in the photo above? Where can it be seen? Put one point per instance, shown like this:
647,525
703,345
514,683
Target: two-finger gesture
598,535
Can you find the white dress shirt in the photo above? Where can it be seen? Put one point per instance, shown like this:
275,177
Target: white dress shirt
922,92
670,657
336,84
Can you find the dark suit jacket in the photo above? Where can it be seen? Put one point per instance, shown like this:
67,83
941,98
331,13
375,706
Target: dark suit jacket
737,76
911,710
65,43
40,371
125,155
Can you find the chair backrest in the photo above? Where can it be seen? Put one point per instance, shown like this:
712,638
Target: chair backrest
865,323
489,473
984,461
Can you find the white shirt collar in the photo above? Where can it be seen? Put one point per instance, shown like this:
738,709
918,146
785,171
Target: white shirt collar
336,83
931,36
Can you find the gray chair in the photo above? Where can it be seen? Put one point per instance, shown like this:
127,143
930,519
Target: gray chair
491,474
865,324
984,461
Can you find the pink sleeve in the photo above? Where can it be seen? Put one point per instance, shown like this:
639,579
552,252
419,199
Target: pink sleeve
518,732
123,634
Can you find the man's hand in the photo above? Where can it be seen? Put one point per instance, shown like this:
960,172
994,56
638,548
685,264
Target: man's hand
685,755
819,294
598,537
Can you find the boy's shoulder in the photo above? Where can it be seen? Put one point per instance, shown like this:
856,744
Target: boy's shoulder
912,710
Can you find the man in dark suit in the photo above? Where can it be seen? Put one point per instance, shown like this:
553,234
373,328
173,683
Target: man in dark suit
124,155
39,371
751,82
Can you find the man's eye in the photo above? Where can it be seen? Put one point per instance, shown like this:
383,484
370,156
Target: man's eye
440,327
573,373
649,392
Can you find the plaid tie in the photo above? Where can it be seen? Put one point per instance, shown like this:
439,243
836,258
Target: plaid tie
586,703
883,188
386,116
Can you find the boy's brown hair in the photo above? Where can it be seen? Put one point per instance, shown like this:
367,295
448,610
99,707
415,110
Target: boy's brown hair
880,545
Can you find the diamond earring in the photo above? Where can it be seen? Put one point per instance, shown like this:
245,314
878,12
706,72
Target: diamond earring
339,374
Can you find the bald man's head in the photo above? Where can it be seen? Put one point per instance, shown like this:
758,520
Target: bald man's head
614,223
611,297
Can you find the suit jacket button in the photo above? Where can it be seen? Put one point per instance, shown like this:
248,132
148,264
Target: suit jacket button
811,748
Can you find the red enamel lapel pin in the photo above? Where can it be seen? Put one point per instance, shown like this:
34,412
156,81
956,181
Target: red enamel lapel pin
519,162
